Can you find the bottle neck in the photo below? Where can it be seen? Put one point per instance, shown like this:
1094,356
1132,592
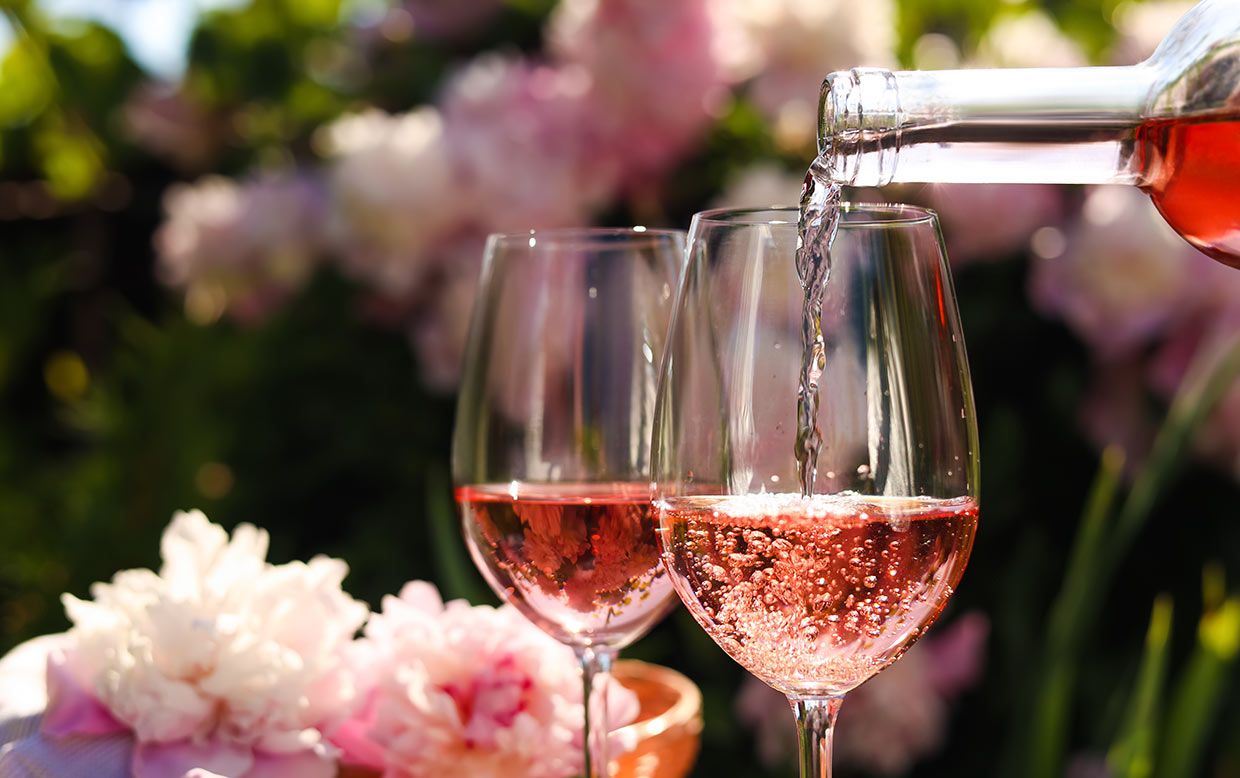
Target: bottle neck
1052,125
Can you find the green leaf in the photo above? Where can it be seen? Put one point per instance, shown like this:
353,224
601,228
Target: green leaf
313,13
71,162
455,572
1068,620
1201,691
1132,754
26,85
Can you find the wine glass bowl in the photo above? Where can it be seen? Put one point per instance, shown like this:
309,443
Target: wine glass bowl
551,447
814,593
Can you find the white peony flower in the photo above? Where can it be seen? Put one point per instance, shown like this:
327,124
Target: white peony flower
786,47
220,653
396,193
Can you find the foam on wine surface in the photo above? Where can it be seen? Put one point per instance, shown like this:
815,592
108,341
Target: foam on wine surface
815,595
580,560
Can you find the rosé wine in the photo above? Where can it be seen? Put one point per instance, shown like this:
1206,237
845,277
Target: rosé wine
1197,164
816,228
815,595
578,559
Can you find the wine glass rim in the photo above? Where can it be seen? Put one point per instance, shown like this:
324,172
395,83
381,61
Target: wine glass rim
852,215
584,235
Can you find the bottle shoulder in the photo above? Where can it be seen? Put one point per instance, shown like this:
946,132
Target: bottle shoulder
1197,65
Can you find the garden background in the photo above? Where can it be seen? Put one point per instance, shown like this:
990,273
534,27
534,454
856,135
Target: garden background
236,274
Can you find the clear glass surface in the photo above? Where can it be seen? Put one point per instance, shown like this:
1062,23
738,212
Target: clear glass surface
551,448
815,593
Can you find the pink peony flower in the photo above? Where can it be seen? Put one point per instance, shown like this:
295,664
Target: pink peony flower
469,690
238,248
892,720
220,662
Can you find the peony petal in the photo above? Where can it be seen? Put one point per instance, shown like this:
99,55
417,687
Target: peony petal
174,760
23,679
352,738
305,764
37,756
70,708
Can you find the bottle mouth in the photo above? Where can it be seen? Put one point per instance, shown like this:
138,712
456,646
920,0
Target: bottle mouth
859,126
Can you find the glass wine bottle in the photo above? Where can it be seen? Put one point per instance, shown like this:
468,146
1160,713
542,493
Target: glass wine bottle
1170,125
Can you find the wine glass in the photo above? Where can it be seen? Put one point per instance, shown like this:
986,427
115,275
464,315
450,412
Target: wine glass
551,448
814,593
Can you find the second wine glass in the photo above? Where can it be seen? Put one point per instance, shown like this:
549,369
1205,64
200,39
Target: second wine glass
813,593
551,449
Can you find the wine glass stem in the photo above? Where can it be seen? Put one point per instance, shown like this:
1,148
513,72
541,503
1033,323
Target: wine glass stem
815,730
596,664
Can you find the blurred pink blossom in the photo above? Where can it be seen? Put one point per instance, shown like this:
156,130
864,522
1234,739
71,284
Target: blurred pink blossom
992,221
1086,765
469,690
525,145
449,18
439,329
654,78
1116,410
1129,286
1140,27
1125,276
395,192
240,248
1030,39
168,123
1188,355
784,49
760,185
892,720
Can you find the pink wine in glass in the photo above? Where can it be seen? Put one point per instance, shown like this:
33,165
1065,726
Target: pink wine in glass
579,560
815,594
